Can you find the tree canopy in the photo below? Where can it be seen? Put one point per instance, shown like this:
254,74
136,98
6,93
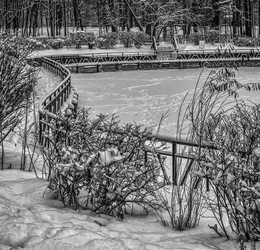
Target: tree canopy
57,17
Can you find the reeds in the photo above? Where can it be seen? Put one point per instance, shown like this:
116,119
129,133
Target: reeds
17,82
229,164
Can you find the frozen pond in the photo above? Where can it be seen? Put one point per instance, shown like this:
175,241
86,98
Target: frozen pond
144,96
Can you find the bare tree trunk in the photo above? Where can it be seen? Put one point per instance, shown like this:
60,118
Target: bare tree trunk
77,16
134,16
26,21
51,19
64,18
3,152
41,19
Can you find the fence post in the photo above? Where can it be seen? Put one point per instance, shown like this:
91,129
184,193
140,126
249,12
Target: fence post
174,163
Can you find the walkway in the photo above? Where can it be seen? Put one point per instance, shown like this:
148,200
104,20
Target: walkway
86,50
120,49
46,82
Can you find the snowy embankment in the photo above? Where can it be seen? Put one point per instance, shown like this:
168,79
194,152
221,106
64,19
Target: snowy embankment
31,219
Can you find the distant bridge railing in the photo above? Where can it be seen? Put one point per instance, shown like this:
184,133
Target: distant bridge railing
202,54
52,102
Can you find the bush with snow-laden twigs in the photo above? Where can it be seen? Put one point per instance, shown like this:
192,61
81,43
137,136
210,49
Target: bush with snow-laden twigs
102,166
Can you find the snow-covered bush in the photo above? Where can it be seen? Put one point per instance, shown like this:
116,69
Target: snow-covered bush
140,38
44,43
196,37
127,38
36,44
102,165
79,38
246,41
56,43
212,36
107,41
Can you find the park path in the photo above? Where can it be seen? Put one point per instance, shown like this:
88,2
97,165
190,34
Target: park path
46,82
119,49
86,50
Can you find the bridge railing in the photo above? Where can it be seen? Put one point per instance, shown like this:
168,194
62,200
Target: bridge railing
203,54
53,101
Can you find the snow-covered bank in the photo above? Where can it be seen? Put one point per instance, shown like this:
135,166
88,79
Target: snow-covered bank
31,218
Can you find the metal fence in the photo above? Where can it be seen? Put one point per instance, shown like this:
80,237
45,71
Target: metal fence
51,104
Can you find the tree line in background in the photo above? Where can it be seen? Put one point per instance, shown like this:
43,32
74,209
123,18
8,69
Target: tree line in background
58,17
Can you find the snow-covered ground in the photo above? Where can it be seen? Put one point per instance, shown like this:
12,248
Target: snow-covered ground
31,219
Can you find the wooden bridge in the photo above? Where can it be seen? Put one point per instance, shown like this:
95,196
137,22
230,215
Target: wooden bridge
157,55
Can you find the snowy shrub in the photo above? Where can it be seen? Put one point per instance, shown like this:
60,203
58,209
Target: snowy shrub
196,37
44,43
101,165
108,41
140,38
228,159
209,36
80,38
127,38
36,44
212,36
56,43
246,42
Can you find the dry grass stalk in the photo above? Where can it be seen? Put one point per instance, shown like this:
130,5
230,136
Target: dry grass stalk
231,167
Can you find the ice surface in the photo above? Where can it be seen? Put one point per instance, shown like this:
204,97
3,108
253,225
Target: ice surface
144,96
